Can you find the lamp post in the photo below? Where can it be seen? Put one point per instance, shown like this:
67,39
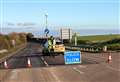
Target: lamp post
1,16
46,21
46,25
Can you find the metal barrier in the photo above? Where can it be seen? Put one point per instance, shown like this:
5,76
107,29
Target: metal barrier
83,49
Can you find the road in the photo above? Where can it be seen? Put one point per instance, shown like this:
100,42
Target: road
93,68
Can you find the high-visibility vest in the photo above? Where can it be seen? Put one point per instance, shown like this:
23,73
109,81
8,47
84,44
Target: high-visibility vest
54,43
49,44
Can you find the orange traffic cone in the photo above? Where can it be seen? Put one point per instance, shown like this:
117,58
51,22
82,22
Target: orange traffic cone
109,59
29,62
5,64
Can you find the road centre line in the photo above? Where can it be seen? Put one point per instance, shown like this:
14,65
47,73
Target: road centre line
53,74
56,78
81,66
109,67
14,75
77,70
44,61
42,58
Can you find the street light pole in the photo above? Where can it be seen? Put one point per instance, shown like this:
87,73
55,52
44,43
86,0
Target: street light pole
46,16
1,16
46,22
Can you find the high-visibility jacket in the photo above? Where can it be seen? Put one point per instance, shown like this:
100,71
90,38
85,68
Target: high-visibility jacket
50,44
54,43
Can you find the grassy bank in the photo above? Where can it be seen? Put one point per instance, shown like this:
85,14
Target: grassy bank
6,42
99,38
111,41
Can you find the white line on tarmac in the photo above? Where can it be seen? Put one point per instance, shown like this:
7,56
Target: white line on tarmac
42,58
44,61
77,70
113,68
81,66
56,78
14,75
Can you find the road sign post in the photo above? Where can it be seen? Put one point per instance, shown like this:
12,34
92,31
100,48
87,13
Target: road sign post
75,39
72,57
46,31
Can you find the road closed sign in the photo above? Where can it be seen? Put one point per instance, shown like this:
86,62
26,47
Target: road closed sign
72,57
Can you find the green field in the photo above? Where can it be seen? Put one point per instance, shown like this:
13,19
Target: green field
111,41
99,38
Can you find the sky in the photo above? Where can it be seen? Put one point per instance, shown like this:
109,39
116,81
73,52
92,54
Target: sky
82,14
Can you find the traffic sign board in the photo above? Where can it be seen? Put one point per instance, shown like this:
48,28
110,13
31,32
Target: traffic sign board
66,34
72,57
46,31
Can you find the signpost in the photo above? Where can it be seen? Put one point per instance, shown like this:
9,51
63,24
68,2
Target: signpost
66,34
75,39
72,57
46,31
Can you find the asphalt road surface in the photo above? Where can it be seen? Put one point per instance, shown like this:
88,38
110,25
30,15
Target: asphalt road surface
94,67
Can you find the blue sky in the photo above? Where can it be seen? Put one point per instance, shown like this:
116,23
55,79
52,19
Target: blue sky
77,13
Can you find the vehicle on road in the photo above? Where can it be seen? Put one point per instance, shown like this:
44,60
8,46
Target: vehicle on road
57,49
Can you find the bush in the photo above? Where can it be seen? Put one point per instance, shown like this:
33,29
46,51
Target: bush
114,46
30,36
4,43
6,40
23,37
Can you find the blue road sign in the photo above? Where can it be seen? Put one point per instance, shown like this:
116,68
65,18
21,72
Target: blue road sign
46,31
72,57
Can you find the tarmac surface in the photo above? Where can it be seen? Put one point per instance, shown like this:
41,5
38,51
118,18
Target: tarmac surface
40,68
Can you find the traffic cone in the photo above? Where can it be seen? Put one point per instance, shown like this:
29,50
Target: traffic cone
29,62
109,59
5,64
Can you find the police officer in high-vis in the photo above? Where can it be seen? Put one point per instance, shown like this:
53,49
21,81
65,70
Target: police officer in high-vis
51,44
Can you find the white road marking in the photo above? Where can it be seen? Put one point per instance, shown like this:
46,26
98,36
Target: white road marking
113,68
42,58
81,66
56,78
44,61
53,74
77,70
14,75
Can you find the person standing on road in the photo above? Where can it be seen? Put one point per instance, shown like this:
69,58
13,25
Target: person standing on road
51,44
54,43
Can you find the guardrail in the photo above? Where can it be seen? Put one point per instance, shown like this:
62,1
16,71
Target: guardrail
83,49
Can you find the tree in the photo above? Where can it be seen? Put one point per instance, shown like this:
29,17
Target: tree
30,36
